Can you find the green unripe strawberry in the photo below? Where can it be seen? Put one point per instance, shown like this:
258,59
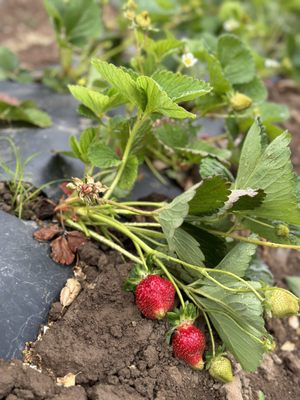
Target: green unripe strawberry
240,101
281,303
220,369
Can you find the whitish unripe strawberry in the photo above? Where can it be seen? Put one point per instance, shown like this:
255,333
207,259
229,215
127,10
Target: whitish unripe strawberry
188,344
281,303
240,101
155,296
220,369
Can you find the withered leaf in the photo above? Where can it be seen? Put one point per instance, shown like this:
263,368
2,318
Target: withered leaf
67,380
47,232
69,293
75,240
61,252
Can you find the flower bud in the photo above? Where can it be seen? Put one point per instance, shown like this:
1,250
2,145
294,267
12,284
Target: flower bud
143,20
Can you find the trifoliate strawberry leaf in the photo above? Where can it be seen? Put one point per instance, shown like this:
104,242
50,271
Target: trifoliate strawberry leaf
254,89
269,168
236,59
95,101
217,77
77,21
244,199
210,196
173,214
181,87
26,111
200,148
236,261
213,247
233,321
102,156
259,271
186,247
130,173
162,48
157,100
238,321
121,81
211,167
273,112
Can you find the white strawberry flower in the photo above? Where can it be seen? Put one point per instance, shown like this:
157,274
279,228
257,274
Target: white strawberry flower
270,63
231,25
188,59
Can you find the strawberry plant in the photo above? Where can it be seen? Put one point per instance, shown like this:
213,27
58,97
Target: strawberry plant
203,243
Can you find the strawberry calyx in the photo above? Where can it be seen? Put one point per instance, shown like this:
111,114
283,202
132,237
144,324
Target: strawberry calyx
136,275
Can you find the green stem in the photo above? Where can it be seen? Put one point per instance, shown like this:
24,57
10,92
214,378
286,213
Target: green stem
155,172
132,134
134,210
254,241
103,240
171,279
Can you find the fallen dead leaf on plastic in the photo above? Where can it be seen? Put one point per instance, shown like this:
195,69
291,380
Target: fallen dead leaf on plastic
61,252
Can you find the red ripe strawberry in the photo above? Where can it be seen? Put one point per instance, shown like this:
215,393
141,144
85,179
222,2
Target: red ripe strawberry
188,344
155,296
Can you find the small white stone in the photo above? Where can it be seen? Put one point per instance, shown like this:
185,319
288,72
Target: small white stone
294,322
288,346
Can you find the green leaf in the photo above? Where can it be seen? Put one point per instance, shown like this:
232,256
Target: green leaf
121,81
9,63
269,168
211,167
213,247
76,21
203,149
86,139
259,271
172,215
273,112
210,196
186,247
255,89
95,101
130,173
245,199
26,112
171,135
217,77
157,100
236,59
236,261
238,322
293,283
181,87
75,147
102,156
162,48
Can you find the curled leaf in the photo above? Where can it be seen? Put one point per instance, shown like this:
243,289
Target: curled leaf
47,233
75,240
69,292
61,252
67,380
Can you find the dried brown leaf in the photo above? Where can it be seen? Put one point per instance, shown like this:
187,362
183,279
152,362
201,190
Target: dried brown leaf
75,240
69,293
61,252
47,233
67,380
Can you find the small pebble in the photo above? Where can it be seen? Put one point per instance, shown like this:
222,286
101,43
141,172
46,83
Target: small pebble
294,322
288,346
